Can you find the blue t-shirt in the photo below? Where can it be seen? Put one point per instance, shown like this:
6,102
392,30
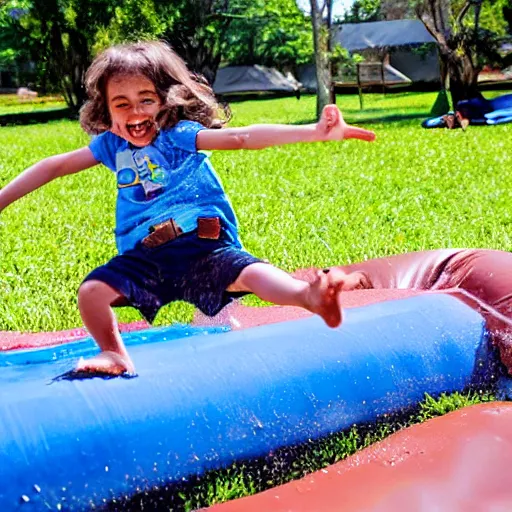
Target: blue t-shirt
167,179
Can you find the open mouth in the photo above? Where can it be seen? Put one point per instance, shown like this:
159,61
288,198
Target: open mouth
140,130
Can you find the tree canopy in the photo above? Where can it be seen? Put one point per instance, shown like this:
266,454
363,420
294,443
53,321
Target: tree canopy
62,36
54,41
363,10
272,33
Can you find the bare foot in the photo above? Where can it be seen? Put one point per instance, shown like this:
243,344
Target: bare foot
464,123
332,126
106,362
449,120
323,299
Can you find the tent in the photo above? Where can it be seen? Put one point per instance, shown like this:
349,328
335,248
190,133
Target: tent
253,79
396,38
381,34
382,74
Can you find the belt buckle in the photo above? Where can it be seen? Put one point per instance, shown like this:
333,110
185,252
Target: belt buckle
162,233
208,227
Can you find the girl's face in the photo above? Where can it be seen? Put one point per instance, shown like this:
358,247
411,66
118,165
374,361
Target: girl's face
133,104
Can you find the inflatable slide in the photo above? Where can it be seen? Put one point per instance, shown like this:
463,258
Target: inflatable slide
262,379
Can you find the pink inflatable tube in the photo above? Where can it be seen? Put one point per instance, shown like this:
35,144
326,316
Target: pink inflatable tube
481,278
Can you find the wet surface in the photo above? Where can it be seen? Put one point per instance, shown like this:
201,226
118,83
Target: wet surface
458,462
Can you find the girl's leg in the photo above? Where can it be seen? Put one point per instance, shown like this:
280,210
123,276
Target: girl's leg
274,285
95,301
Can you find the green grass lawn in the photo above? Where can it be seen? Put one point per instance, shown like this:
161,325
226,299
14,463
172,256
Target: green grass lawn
308,204
11,104
288,464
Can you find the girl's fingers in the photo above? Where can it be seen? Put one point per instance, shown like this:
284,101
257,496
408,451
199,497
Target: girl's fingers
352,132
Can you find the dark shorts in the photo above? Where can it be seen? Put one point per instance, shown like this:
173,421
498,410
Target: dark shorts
188,268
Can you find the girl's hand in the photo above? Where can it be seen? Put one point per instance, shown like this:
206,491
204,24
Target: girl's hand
106,362
332,126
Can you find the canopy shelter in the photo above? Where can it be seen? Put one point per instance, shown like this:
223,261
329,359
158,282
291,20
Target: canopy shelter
356,37
233,80
395,41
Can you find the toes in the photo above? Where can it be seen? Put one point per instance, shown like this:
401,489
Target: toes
321,279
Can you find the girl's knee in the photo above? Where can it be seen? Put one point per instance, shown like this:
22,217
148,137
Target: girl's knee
97,292
243,281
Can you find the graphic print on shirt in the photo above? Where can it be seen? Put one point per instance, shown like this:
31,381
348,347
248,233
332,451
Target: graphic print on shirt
137,167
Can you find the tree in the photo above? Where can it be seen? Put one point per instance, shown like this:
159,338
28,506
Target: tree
321,19
272,33
194,28
10,54
58,36
197,29
65,34
507,14
464,44
396,9
362,11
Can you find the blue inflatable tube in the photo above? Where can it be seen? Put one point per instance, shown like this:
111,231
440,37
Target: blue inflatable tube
201,402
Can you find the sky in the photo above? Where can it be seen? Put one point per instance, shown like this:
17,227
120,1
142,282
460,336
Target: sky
339,6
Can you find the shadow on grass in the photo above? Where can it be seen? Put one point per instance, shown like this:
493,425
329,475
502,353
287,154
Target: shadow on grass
389,118
36,116
393,118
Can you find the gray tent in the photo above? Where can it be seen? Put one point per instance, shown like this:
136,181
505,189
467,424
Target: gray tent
381,34
390,75
392,78
396,38
253,79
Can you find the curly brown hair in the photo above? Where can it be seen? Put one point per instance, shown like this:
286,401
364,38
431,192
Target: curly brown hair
184,95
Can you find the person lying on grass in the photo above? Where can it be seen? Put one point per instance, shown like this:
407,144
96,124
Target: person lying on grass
176,231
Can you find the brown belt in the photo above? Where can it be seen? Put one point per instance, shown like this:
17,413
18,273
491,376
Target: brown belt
207,227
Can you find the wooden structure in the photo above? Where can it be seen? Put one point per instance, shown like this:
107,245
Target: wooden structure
374,75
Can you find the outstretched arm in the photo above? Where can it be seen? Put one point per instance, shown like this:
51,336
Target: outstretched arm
331,126
45,171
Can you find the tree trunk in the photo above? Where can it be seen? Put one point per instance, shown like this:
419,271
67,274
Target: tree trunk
79,59
458,57
205,60
463,79
323,75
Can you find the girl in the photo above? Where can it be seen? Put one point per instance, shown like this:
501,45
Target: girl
176,232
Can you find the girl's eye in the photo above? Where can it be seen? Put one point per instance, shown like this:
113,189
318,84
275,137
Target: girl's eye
148,101
121,105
